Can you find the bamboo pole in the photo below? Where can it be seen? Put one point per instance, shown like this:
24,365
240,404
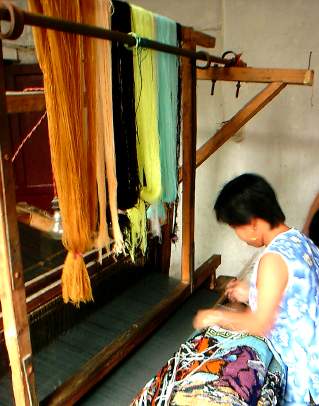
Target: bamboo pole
19,18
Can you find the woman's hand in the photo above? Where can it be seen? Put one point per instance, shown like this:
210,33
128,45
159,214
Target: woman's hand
237,291
206,318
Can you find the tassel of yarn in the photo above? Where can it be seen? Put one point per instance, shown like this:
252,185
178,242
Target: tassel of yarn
156,213
136,237
76,286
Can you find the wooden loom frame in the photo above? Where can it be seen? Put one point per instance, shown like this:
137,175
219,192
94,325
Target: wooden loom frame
12,290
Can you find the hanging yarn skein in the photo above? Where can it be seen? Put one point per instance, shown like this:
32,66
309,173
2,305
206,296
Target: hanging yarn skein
73,142
100,81
59,55
145,80
168,68
124,112
168,119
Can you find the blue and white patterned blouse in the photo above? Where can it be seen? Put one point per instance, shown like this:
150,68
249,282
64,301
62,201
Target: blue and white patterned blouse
295,334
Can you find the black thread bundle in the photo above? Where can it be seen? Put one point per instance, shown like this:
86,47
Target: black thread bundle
124,112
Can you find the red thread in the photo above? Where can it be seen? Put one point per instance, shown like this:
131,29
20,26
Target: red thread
33,89
77,255
27,137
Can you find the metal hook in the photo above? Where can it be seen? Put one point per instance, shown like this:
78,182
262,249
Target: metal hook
212,90
208,58
16,21
137,41
237,89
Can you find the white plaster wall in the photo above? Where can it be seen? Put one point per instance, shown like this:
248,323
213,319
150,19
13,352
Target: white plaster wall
282,141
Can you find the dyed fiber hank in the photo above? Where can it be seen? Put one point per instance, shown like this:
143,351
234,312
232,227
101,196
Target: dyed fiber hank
124,112
168,113
156,77
81,137
168,120
148,155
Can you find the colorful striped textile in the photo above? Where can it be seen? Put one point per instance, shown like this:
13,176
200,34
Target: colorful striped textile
218,367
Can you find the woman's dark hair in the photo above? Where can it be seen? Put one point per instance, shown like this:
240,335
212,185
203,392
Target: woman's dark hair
246,197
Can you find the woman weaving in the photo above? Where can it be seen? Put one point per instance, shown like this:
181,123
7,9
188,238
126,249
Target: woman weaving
283,296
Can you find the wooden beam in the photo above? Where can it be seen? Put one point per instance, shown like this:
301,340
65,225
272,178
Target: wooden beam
104,361
258,75
12,291
235,123
238,120
203,40
188,73
25,102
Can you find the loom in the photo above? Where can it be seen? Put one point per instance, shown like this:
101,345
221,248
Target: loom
38,300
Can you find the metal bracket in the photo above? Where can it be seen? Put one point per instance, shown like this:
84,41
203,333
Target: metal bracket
28,372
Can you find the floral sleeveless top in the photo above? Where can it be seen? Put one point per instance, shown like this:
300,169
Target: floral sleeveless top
295,334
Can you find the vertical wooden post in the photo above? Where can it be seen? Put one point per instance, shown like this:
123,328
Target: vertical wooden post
165,248
12,290
189,157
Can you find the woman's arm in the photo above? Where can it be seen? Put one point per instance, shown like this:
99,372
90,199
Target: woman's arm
272,279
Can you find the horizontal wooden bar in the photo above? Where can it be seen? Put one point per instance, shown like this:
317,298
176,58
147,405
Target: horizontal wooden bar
203,40
104,361
258,75
25,102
